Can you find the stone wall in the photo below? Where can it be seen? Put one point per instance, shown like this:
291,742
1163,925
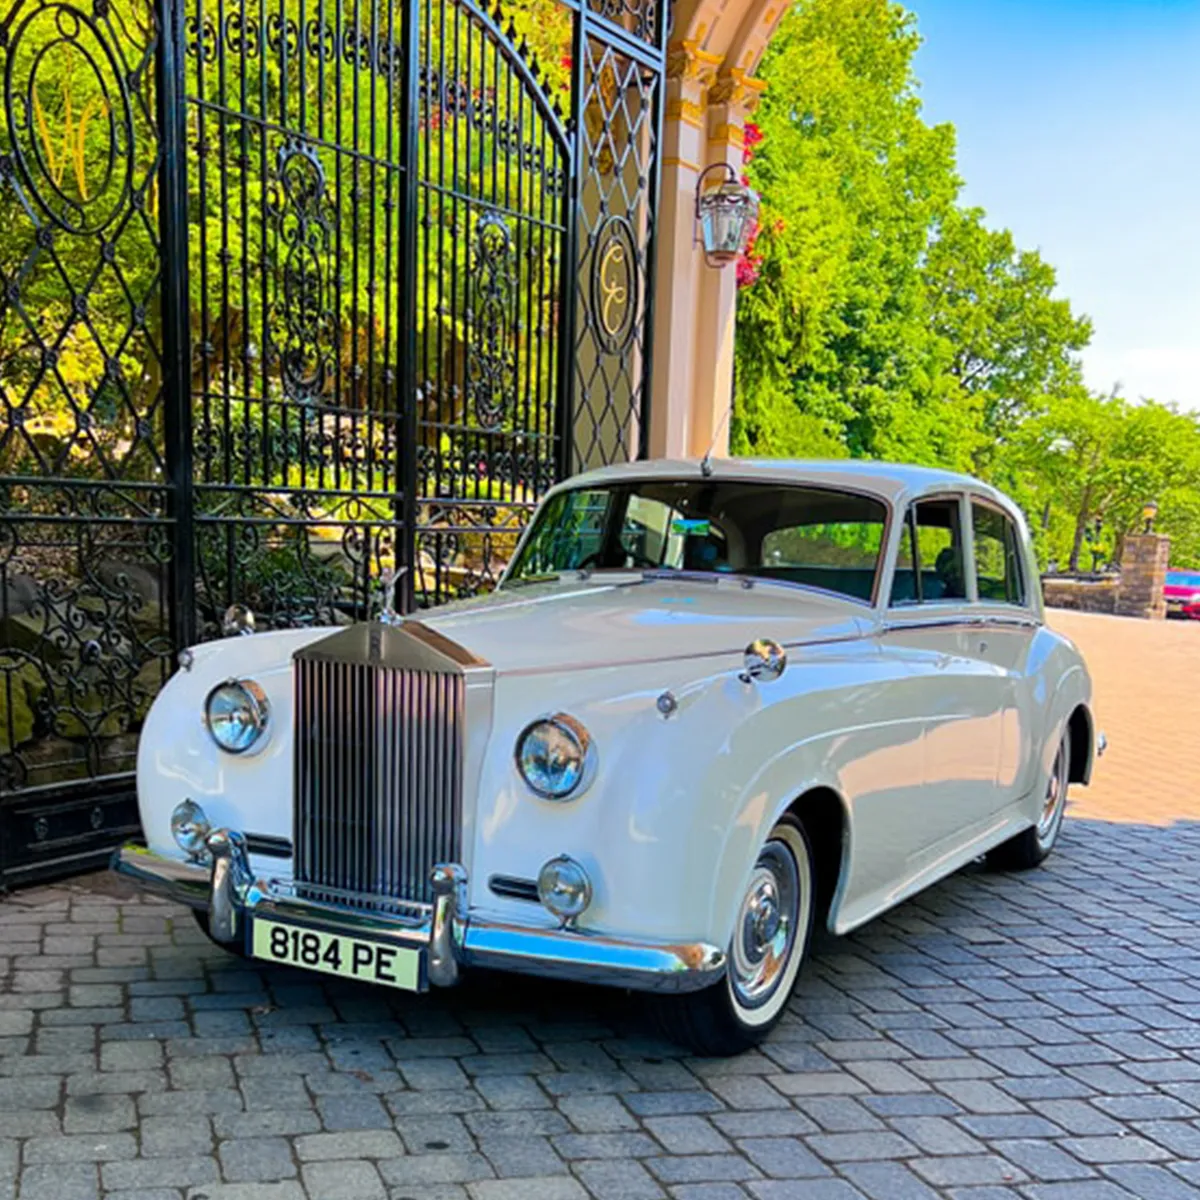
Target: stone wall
1082,595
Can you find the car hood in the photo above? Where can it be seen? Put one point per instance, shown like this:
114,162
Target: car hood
618,620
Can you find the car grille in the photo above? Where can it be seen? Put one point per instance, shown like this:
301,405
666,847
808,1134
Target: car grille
378,770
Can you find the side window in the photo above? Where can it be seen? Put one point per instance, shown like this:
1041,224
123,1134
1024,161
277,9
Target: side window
929,566
840,556
997,556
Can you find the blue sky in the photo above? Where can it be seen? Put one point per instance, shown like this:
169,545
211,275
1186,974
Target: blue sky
1079,129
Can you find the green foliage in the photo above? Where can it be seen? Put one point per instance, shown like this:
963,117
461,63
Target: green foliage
886,320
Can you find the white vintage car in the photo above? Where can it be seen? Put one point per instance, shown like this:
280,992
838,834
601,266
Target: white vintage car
708,705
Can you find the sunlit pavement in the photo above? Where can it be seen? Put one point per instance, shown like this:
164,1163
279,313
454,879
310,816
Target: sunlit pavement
1001,1036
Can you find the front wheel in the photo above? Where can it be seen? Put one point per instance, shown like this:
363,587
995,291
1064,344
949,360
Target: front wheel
769,944
1031,846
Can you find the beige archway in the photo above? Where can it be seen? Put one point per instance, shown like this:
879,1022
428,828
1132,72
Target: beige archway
711,91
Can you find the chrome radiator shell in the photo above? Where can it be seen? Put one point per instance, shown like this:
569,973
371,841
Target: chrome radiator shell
379,762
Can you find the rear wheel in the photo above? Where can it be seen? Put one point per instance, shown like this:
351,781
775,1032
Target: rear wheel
769,944
1031,846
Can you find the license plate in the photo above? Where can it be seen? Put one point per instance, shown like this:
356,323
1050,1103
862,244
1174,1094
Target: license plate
337,954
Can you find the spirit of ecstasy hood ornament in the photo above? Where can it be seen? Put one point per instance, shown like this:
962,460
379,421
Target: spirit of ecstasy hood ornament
387,596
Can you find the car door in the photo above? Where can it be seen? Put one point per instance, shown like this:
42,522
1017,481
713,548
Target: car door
1006,625
931,623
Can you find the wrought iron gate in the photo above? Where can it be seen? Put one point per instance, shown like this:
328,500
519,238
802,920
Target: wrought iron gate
292,293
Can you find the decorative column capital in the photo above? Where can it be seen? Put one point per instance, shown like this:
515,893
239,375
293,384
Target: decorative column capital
687,61
737,88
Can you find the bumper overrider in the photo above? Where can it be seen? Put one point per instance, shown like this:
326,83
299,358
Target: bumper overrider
228,891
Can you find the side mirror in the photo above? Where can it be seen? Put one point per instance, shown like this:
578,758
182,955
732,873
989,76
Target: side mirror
764,661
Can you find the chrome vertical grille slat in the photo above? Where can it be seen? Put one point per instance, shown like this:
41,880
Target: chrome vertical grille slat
378,770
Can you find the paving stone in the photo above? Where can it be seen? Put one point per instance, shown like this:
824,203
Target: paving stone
97,1114
1152,1183
612,1179
596,1113
527,1189
286,1190
807,1189
687,1135
1114,1149
860,1147
887,1181
62,1181
81,1147
516,1123
709,1191
702,1168
173,1171
605,1145
365,1144
256,1160
343,1181
419,1171
352,1112
782,1158
951,1170
1043,1159
1092,1189
522,1157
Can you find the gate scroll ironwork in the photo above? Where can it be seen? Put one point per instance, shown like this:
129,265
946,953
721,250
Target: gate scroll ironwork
295,295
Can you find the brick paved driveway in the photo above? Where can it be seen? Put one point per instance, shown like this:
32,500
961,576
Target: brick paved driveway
998,1037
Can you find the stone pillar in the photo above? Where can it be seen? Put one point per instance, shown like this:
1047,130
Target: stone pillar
1144,562
731,99
695,305
678,262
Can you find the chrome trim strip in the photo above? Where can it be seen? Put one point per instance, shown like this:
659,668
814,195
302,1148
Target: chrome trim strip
594,958
453,938
512,887
184,882
958,621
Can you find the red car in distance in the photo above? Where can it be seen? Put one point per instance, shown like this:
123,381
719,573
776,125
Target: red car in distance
1182,594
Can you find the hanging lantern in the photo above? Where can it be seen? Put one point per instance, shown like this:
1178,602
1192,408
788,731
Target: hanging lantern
726,214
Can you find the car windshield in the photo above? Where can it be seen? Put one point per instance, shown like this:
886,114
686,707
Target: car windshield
819,537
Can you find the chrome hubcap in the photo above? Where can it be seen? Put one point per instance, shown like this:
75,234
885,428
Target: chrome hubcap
1056,798
766,928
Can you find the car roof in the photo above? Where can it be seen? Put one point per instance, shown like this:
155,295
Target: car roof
890,481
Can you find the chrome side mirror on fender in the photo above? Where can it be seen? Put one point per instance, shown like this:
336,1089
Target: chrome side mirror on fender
764,661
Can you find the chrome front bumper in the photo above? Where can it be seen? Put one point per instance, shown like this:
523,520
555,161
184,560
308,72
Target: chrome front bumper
228,891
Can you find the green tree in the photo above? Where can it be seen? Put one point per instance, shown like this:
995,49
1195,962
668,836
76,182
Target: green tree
884,320
1088,459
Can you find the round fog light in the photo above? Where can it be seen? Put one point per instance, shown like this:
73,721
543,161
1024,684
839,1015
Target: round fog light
564,888
190,828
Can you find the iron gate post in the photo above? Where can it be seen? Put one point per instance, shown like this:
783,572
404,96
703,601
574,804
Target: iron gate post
177,375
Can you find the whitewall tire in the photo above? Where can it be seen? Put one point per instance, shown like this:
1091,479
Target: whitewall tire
1031,846
770,940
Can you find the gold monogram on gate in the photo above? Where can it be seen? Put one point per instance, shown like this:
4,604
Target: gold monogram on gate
614,284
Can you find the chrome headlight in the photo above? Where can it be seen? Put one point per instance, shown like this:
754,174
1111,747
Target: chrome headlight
555,757
236,713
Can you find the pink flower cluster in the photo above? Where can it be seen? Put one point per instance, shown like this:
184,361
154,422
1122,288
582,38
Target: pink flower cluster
750,263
